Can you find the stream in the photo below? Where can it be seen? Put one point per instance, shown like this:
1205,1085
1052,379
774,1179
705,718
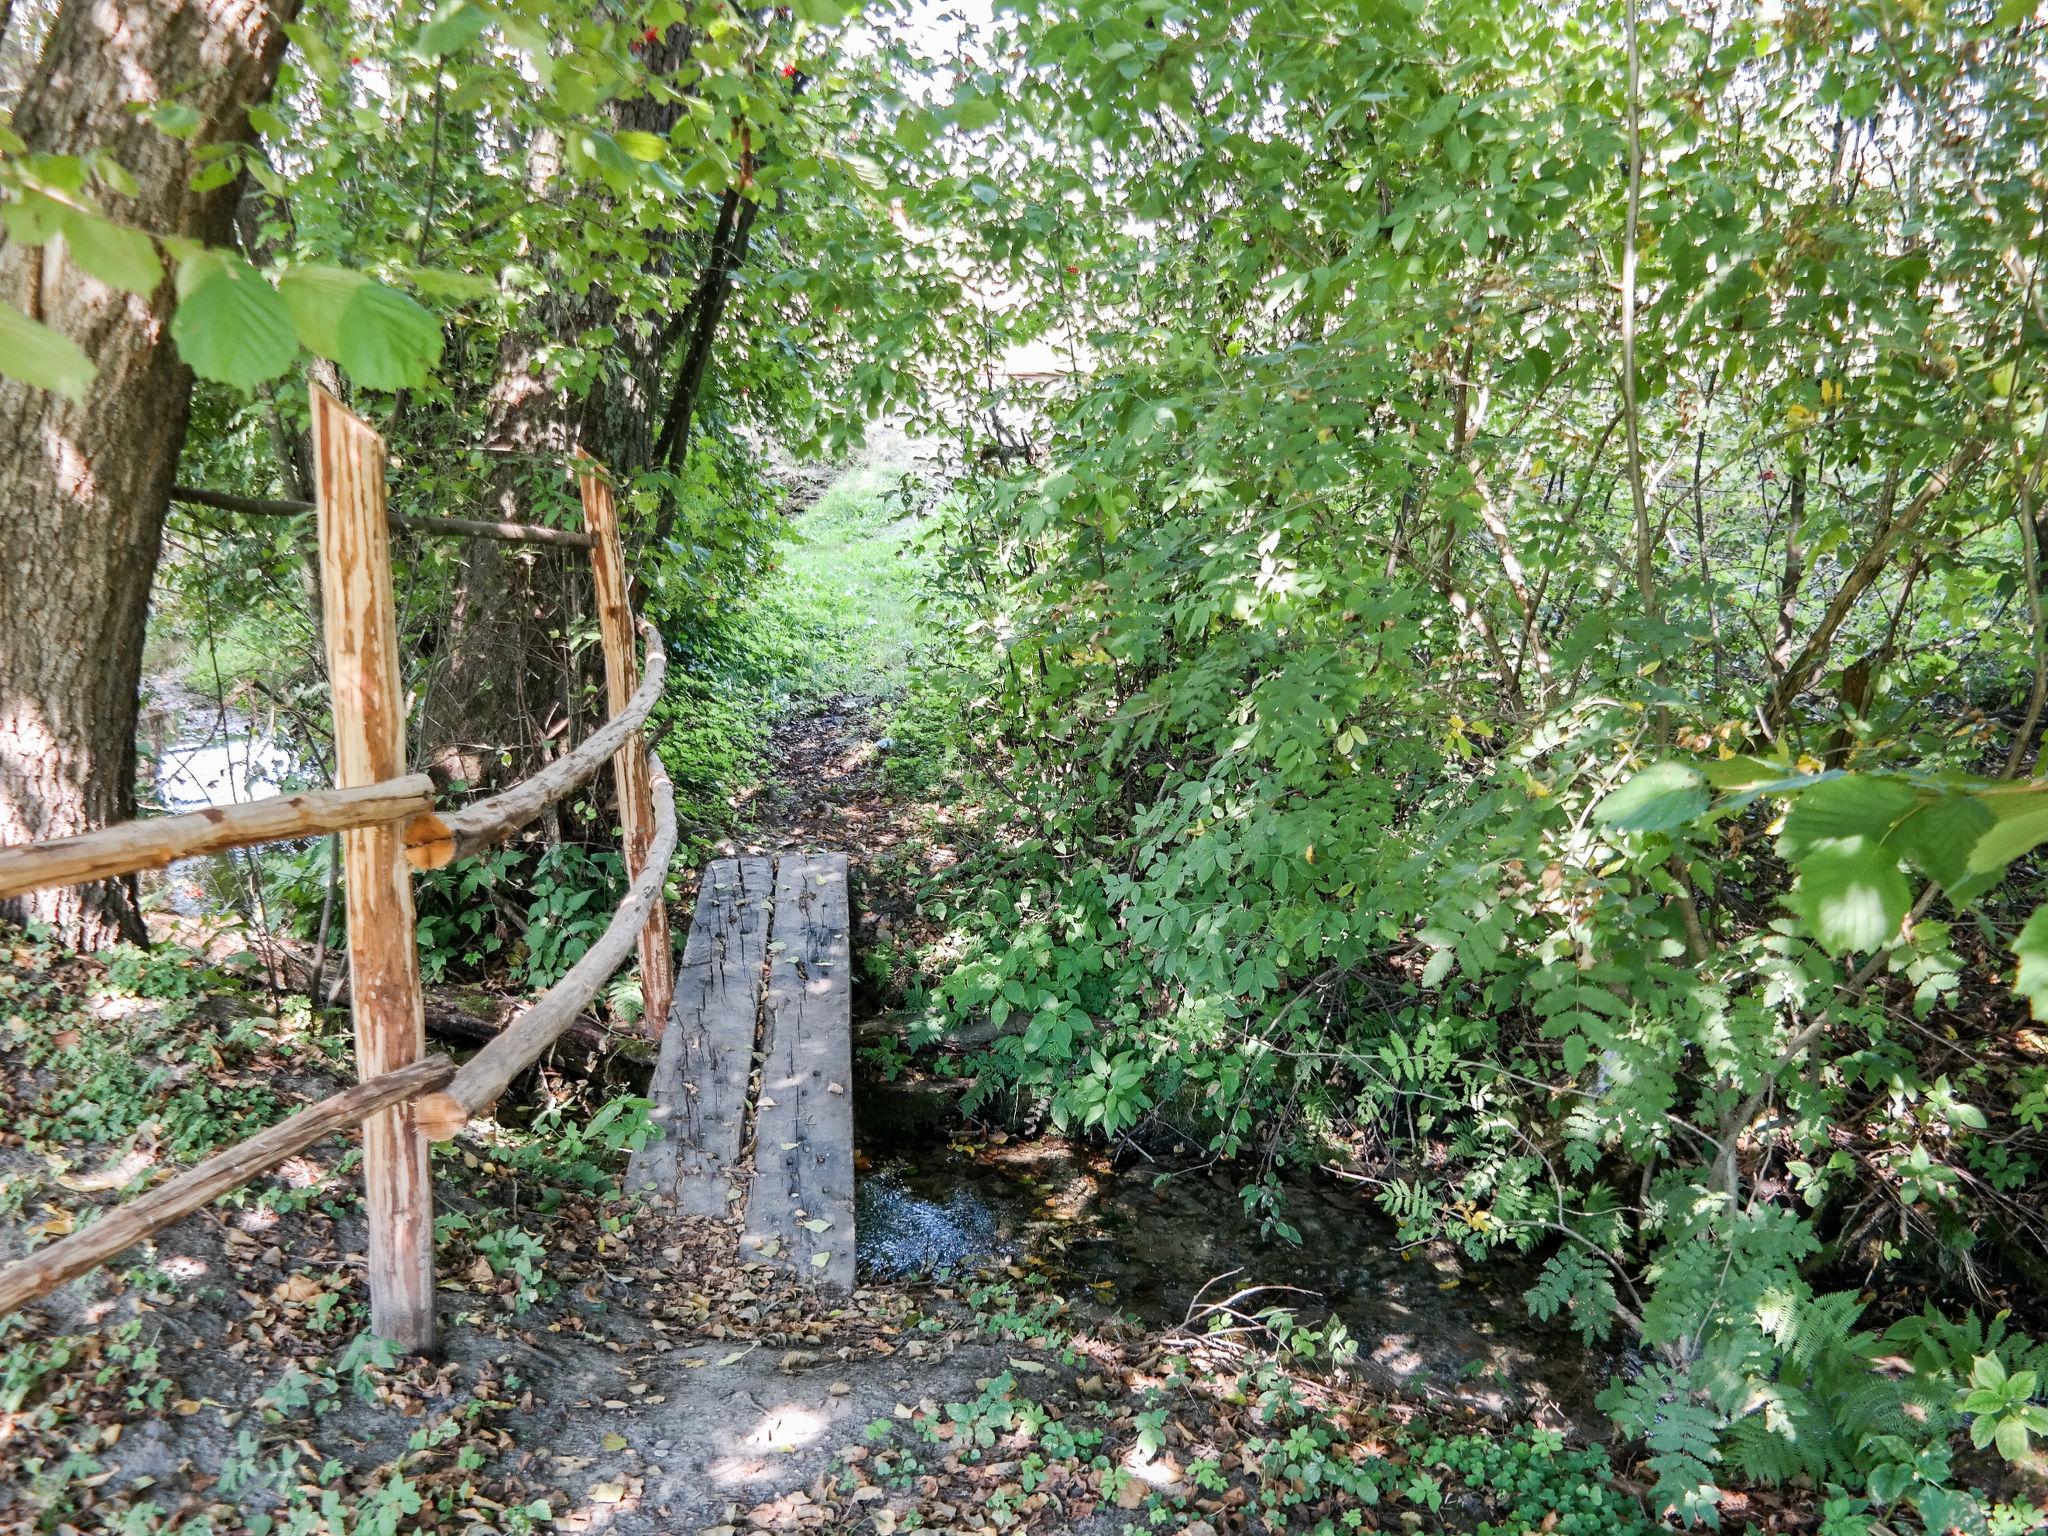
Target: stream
1147,1240
200,756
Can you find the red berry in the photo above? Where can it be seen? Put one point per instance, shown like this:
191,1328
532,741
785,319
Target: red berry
789,71
1073,271
652,35
355,58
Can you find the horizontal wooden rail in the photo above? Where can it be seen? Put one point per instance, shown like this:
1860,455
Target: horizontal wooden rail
158,841
485,1075
433,841
126,1225
462,527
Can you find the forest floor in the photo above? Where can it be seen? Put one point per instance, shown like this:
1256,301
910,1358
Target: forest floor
603,1371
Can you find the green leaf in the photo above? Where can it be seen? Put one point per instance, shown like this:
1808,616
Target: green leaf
33,353
2020,825
2031,948
33,218
1852,811
176,118
322,62
118,256
642,145
383,338
455,26
1851,897
2011,1439
1661,798
388,341
318,298
533,42
231,326
972,112
1939,835
821,13
438,282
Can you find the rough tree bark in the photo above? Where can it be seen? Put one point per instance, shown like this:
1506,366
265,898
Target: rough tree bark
83,488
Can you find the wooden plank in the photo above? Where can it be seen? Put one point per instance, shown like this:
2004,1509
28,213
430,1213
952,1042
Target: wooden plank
803,1121
361,624
159,841
485,1075
707,1051
629,763
126,1225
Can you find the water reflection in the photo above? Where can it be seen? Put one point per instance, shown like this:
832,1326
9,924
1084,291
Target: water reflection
198,758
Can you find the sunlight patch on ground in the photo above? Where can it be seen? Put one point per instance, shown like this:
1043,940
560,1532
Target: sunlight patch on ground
781,1431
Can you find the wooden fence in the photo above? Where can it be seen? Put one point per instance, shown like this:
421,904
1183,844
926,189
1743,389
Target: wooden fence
389,827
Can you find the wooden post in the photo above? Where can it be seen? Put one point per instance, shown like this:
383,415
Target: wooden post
629,763
369,745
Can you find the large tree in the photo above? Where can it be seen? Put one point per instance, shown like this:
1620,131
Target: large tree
84,484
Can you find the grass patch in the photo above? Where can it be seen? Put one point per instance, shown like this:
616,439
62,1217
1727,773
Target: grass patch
843,610
839,617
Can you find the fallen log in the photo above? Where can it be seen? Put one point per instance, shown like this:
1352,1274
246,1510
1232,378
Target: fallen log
452,1016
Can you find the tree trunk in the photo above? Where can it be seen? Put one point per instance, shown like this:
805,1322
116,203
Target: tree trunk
83,488
496,703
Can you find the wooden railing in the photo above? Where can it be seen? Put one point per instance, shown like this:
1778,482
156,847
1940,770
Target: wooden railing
389,827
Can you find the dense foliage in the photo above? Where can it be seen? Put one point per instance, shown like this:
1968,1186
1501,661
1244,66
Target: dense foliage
1518,667
652,237
1501,631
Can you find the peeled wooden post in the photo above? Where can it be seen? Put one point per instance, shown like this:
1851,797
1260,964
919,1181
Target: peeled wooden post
369,745
629,763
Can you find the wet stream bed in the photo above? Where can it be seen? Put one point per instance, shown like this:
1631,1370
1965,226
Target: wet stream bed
1152,1241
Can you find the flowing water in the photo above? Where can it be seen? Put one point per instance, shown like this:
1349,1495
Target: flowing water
1155,1242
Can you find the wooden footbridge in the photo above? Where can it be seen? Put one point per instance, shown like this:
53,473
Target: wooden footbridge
764,998
754,1088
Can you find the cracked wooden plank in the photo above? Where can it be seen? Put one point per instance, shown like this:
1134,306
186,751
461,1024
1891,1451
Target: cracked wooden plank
800,1201
700,1079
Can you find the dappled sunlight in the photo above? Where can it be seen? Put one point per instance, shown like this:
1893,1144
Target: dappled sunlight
111,1009
1396,1352
754,1457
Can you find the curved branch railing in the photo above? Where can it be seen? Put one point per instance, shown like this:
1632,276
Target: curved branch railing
490,1071
161,841
126,1225
433,1095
